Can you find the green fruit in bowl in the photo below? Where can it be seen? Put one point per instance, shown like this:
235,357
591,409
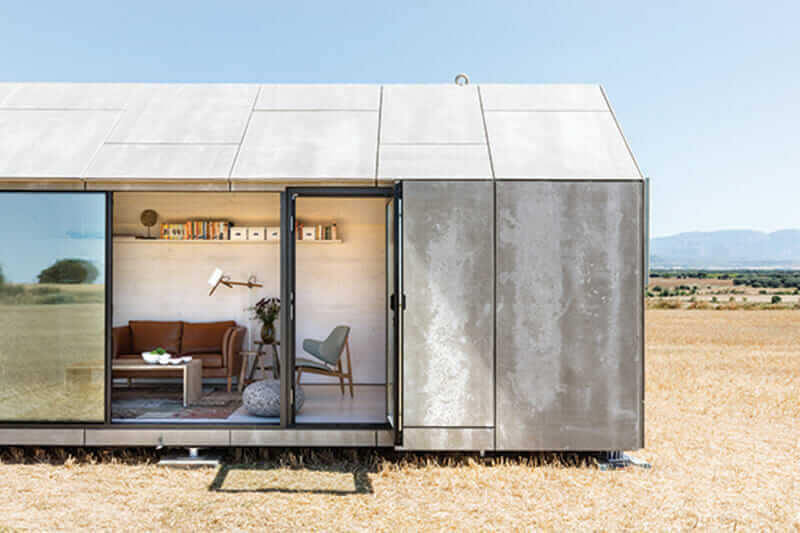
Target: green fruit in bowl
160,351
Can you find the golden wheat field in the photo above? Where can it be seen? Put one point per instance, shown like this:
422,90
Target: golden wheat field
723,436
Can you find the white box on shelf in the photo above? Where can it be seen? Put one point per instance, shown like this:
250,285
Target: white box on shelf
273,233
238,234
310,234
255,233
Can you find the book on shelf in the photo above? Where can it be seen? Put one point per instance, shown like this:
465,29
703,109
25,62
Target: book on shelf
218,230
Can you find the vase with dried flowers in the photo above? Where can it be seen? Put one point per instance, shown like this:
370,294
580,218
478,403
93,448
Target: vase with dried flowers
266,310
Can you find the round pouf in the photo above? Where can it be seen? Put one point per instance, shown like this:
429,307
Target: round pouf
263,398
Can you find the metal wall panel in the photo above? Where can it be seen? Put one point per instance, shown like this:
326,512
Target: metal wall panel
558,144
569,315
434,162
155,437
448,439
448,361
41,437
304,437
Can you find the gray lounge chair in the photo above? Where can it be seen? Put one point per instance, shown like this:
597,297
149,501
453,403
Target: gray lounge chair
329,353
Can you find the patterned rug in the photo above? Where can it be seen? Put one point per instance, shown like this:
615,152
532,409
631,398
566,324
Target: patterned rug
166,402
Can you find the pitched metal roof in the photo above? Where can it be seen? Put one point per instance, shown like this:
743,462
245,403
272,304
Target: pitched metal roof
245,135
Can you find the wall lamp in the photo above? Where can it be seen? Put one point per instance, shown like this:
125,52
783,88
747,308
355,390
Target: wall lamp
219,278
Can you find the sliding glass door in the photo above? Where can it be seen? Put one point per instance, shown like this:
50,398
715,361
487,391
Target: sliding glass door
52,306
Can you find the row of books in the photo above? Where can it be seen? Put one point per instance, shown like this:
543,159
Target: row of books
318,232
218,230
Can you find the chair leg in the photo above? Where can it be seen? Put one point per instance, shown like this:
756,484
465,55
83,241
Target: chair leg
340,375
299,373
349,365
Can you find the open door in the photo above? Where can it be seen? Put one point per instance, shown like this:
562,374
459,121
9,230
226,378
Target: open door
394,312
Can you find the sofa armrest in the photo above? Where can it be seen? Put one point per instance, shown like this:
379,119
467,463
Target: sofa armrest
120,341
232,343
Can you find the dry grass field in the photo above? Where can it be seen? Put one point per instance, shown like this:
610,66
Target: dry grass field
32,379
723,435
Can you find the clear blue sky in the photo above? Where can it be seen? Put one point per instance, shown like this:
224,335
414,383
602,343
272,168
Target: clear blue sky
708,93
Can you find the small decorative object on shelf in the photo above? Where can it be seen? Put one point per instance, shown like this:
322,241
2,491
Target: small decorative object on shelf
148,218
266,310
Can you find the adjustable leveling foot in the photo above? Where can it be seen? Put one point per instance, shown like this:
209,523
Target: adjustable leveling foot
618,459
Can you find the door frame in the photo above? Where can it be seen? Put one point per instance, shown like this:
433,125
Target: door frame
288,290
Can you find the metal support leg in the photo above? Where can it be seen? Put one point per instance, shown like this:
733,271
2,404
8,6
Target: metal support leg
618,459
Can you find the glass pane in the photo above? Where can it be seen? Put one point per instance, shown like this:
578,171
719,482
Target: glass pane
52,306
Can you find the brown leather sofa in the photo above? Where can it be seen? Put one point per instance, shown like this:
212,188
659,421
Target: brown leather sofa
217,344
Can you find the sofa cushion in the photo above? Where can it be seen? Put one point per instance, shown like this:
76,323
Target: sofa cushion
210,360
148,335
204,337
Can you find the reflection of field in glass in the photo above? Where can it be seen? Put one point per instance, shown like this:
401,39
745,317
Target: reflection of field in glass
39,338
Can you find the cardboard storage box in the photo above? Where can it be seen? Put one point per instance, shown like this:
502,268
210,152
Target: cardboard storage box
273,233
238,234
255,233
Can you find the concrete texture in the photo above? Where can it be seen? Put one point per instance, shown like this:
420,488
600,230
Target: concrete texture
431,114
307,134
448,439
558,144
568,97
163,161
319,97
436,162
51,144
447,261
569,315
309,145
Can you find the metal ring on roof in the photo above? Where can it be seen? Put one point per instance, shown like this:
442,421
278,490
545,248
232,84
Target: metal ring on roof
462,79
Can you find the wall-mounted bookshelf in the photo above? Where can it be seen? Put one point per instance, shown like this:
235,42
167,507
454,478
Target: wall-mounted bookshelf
118,240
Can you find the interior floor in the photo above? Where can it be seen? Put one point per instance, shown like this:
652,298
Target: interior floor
324,404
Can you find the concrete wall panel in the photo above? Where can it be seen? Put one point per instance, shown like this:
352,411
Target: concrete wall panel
448,439
448,267
569,315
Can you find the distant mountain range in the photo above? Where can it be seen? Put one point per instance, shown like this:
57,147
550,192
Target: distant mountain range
727,249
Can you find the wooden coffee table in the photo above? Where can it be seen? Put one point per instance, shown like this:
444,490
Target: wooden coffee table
192,375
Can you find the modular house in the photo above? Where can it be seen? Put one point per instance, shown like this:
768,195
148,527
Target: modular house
459,267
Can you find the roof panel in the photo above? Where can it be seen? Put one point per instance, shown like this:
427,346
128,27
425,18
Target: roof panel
5,90
309,145
51,144
69,96
213,113
434,162
543,98
319,97
558,145
189,161
431,114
